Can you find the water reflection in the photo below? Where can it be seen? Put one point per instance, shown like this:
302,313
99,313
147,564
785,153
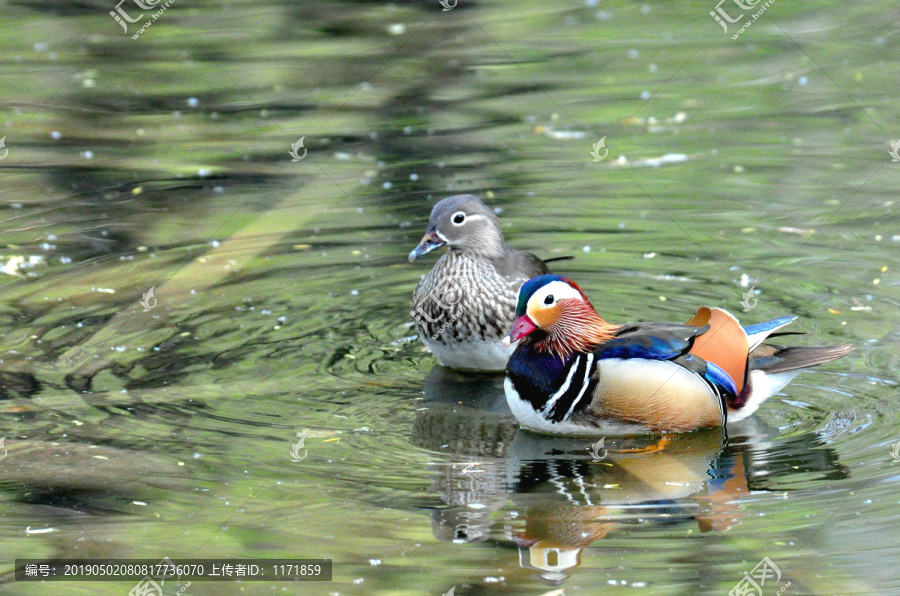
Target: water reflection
552,497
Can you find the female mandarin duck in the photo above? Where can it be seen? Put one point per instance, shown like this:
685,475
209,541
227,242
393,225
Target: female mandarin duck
467,302
573,372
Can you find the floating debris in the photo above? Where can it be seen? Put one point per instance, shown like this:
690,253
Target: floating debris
653,162
560,135
790,230
18,262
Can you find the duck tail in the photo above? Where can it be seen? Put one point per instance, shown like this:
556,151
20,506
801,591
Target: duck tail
775,359
554,259
773,367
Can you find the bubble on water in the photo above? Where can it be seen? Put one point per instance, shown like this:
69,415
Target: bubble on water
645,9
586,248
645,95
354,292
87,154
397,29
604,15
802,81
413,177
55,135
632,53
193,102
387,185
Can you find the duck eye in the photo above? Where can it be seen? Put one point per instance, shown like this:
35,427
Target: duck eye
459,218
548,299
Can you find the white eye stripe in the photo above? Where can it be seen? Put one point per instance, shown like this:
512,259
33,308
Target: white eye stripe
558,290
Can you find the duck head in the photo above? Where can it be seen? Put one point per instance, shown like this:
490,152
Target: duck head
462,222
554,314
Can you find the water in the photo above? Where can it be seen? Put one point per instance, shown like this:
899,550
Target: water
282,290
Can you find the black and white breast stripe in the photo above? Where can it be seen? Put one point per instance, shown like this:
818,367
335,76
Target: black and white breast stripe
575,393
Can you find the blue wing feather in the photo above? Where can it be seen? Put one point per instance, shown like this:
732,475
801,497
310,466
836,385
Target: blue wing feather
716,375
666,342
769,325
643,345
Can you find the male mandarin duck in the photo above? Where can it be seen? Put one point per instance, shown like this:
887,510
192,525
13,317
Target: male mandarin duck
574,373
467,302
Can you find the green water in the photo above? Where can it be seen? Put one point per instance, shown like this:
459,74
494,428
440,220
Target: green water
282,289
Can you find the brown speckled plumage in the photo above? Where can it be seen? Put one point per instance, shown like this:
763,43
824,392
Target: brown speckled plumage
466,304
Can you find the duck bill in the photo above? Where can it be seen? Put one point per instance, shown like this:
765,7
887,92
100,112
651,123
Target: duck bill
430,241
522,326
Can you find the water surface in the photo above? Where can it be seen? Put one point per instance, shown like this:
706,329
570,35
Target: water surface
282,289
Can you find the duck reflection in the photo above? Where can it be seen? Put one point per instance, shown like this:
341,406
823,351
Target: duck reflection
561,494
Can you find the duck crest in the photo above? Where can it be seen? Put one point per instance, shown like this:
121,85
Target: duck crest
555,387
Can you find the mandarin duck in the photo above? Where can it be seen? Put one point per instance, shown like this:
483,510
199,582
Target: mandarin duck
464,306
574,373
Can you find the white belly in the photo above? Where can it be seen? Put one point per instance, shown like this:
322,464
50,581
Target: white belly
530,419
472,355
